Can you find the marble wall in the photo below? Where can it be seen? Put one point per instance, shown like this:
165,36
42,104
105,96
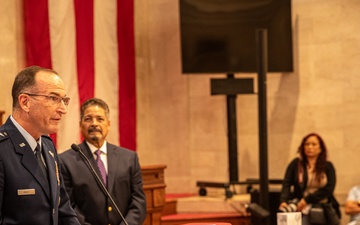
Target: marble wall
182,125
12,54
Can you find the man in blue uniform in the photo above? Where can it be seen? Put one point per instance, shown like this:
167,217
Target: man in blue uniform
32,191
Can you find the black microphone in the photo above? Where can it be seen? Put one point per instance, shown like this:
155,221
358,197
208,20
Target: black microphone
76,148
256,210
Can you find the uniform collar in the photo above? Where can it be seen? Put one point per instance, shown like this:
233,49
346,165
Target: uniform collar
32,142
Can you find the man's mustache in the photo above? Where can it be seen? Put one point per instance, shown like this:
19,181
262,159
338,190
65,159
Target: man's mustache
92,129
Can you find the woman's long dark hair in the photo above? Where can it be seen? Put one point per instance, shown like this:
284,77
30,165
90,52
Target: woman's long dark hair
321,160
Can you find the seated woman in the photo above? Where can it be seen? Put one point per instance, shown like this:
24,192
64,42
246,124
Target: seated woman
312,178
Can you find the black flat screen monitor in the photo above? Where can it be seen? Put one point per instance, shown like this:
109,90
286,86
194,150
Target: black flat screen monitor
219,36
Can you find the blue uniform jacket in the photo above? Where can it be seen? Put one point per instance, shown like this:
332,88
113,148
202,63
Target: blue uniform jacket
26,196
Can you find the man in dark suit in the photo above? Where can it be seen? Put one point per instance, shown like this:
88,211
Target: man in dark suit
118,168
32,191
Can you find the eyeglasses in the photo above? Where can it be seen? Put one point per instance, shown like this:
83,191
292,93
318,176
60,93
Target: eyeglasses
53,98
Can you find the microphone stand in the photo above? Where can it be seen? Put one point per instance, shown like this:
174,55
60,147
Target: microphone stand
98,180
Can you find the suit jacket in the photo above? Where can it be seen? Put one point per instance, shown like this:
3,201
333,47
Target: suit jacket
26,196
124,185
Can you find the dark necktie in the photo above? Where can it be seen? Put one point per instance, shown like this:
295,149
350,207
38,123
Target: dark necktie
101,166
40,161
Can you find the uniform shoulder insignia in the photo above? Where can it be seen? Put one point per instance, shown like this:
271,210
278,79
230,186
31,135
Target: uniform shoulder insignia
3,135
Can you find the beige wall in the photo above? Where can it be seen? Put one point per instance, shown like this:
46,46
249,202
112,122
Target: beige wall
11,49
181,125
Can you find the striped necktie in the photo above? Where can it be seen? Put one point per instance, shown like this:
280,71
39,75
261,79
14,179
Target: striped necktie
101,166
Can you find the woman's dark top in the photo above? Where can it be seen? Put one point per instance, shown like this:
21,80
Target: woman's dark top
292,179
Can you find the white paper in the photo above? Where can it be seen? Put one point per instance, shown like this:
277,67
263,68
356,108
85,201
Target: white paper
289,218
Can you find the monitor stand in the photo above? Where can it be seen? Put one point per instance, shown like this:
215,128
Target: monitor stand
230,87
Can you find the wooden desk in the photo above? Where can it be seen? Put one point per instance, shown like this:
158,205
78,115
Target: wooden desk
1,117
154,188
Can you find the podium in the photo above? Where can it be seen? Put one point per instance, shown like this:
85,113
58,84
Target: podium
154,188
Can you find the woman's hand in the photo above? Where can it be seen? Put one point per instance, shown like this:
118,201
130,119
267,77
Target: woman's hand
283,205
301,205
